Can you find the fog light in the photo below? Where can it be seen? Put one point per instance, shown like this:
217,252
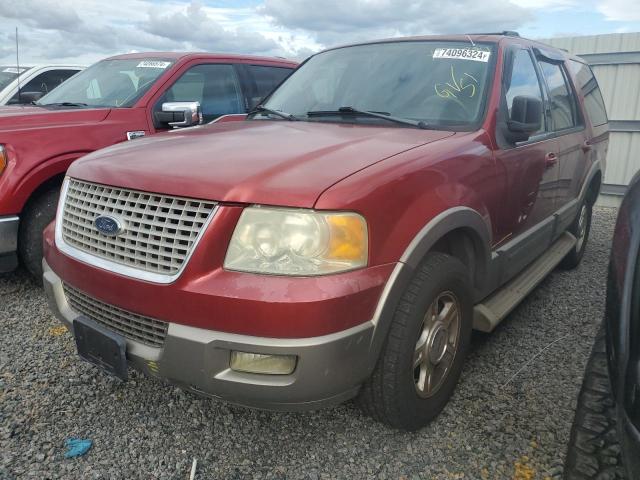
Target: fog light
264,364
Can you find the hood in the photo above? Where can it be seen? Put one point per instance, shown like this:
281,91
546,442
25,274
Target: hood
268,162
31,116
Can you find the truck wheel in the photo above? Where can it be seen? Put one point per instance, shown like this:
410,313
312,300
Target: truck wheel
594,451
40,211
580,229
425,349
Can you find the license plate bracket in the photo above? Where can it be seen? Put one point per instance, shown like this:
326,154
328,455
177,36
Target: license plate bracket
100,346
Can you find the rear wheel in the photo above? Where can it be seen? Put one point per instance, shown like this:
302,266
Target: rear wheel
40,211
580,228
422,358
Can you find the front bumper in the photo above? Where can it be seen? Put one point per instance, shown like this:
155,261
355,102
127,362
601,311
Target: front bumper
329,370
8,242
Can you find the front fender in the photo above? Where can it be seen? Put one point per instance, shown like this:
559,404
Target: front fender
442,224
16,196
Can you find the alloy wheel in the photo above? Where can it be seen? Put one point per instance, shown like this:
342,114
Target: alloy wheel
437,344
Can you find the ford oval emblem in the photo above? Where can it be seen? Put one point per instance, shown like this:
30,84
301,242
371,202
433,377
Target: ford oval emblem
108,225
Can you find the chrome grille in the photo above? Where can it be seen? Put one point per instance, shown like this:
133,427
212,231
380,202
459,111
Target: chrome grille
160,230
136,327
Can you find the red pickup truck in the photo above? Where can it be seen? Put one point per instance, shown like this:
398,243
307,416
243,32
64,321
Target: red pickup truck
117,99
343,240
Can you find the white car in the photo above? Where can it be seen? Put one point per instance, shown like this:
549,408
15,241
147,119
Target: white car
32,81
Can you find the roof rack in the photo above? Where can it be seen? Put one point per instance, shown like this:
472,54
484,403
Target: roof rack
506,33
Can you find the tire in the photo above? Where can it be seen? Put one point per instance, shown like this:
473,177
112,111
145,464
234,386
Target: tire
594,449
397,393
39,213
581,231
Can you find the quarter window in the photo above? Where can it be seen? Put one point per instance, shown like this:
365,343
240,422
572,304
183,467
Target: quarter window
524,82
215,86
562,104
593,101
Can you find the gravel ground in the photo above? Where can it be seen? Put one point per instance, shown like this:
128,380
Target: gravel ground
509,418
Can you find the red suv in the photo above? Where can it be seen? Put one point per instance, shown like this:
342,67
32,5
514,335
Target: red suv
117,99
345,239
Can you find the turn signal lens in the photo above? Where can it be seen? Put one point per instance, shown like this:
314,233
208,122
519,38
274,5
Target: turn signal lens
347,238
3,159
262,364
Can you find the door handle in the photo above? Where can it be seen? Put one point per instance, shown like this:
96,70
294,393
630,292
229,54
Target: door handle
586,146
550,159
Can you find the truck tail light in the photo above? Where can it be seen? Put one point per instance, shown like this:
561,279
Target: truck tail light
263,364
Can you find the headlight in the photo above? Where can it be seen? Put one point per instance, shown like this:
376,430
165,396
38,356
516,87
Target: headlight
283,241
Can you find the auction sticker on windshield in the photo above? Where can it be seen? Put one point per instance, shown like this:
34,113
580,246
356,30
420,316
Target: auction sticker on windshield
462,54
153,64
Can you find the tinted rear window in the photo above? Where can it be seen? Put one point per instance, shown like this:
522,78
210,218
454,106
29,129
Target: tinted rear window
593,101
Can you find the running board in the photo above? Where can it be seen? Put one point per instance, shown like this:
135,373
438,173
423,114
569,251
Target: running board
492,310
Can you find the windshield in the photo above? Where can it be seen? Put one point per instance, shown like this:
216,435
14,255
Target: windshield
109,83
439,83
9,74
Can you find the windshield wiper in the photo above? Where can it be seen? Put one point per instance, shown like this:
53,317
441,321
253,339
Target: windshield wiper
63,104
277,113
368,113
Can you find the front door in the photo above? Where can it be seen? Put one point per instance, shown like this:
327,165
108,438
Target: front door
531,167
216,86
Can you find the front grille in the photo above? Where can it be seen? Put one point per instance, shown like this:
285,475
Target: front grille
136,327
159,230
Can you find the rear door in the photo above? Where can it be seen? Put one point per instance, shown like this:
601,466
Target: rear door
567,125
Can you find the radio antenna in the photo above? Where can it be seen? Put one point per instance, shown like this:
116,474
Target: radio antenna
473,44
18,66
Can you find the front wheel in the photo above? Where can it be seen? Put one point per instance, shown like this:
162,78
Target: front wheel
422,359
39,213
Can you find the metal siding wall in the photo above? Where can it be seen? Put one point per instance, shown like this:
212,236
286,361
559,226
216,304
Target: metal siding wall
623,160
620,85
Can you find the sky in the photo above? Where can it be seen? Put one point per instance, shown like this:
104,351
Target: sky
85,31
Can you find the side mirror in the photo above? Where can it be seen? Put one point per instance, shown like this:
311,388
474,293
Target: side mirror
180,114
26,98
525,120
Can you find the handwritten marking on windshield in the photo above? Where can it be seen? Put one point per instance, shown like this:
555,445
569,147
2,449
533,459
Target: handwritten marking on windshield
463,86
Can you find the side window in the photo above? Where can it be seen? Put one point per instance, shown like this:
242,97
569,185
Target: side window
45,82
215,86
266,79
524,82
593,101
563,106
